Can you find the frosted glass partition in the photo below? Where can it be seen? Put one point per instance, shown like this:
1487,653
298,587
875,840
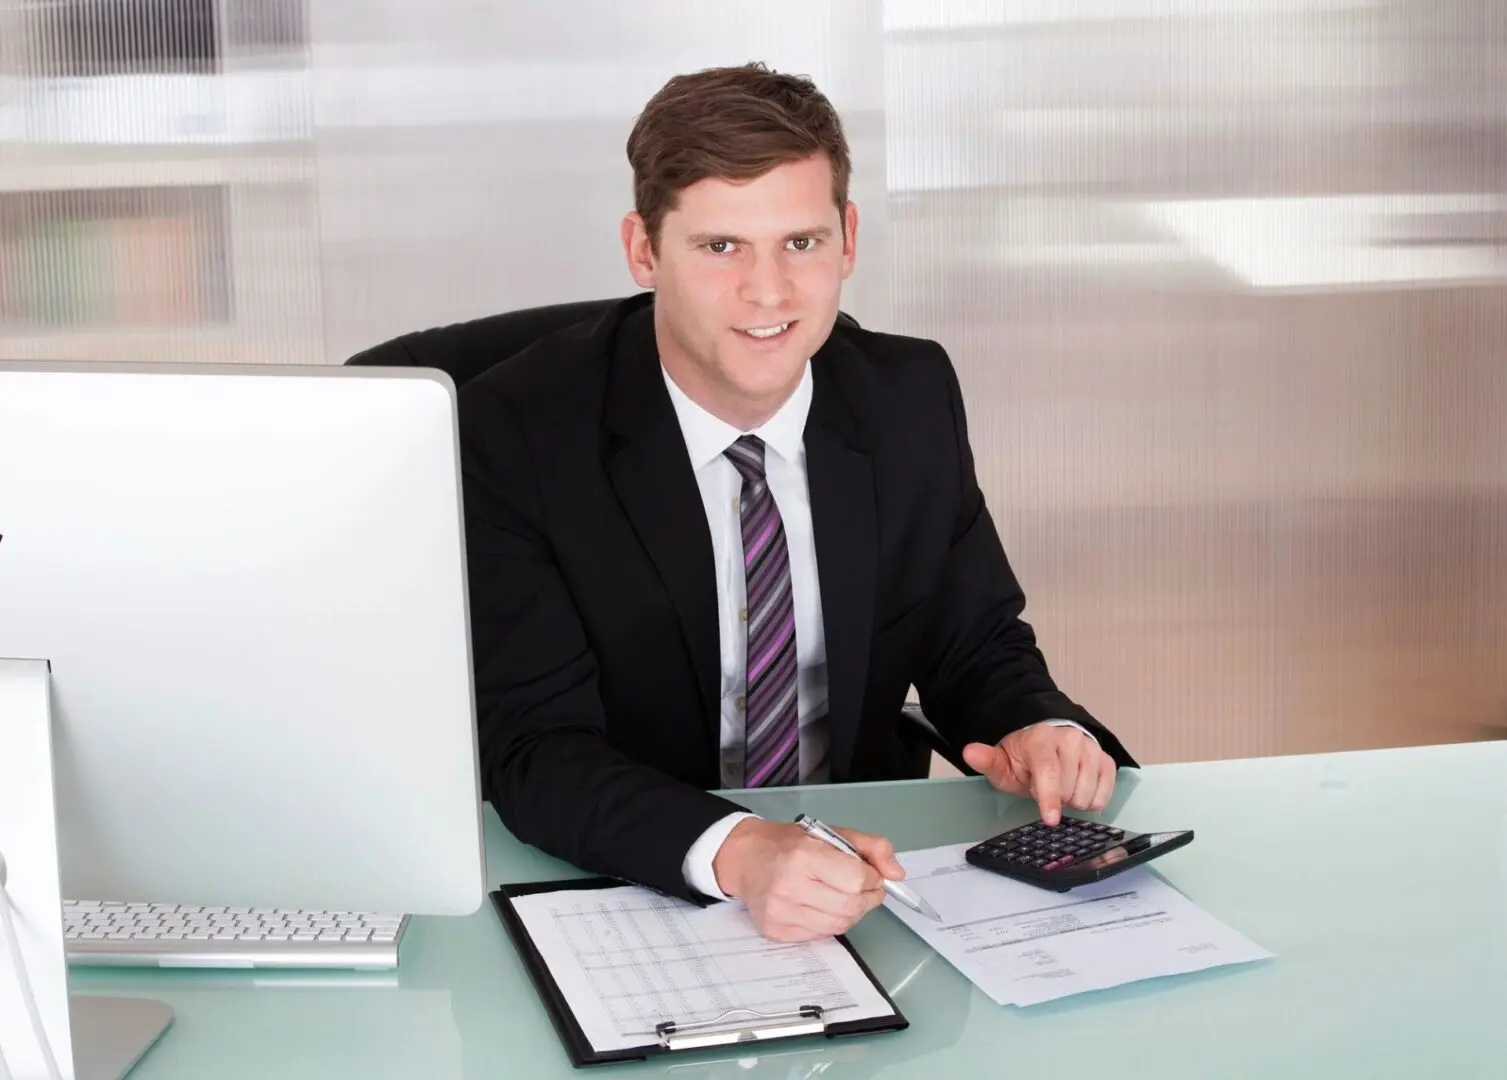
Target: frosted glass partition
1223,279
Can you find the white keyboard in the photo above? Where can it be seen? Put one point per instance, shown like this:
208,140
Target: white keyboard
173,935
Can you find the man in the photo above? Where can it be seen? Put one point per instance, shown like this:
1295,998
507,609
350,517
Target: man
714,538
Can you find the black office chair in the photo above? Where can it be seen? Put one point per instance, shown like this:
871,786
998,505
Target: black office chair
464,350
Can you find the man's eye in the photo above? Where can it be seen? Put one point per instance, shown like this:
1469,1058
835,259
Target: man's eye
719,247
803,243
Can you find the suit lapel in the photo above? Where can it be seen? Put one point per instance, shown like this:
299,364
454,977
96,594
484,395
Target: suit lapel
649,468
840,475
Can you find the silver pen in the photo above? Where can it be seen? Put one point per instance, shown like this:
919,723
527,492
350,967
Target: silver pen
899,891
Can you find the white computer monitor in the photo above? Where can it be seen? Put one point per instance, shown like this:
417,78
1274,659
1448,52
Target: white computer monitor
250,585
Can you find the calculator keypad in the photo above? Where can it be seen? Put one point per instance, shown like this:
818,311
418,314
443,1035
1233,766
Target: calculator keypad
1050,847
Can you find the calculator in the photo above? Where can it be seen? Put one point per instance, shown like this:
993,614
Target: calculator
1070,853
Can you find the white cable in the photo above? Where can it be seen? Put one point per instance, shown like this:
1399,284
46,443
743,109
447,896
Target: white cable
14,948
5,1067
5,1073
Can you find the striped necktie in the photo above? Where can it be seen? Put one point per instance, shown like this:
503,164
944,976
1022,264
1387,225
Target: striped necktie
771,723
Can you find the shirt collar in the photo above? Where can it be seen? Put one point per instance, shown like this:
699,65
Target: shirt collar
706,436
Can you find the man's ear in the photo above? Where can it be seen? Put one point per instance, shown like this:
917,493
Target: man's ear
638,249
849,238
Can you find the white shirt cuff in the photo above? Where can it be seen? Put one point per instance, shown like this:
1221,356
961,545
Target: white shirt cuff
697,867
1072,723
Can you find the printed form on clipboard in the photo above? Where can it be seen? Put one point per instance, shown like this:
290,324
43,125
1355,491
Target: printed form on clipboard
626,971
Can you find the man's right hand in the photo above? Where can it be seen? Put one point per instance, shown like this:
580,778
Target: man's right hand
797,888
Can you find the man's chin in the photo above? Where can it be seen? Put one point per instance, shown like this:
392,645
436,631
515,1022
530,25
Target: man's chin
764,386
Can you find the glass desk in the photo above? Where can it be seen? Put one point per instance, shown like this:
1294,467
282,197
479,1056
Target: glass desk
1379,880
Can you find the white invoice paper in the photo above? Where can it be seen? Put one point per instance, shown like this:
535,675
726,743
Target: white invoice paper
627,959
1023,945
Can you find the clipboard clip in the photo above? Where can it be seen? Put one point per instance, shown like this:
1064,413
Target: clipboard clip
741,1026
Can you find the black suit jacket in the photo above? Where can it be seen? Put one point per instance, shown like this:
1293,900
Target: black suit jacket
593,602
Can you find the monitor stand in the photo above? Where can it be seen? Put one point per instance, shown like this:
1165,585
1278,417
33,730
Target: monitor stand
103,1037
111,1034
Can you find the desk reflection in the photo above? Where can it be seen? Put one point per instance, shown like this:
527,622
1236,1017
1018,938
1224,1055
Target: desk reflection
299,1027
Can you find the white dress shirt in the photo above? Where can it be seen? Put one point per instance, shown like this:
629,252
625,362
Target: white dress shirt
783,434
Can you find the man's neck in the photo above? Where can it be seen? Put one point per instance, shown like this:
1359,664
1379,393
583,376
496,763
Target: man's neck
734,410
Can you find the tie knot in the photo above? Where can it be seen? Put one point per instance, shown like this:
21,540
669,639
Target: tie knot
747,456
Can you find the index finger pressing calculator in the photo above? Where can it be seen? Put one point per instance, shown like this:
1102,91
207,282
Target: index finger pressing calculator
1070,853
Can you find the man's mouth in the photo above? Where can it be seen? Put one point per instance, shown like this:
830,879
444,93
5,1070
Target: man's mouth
766,333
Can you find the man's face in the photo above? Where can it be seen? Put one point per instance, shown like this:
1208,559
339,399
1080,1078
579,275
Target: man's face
747,280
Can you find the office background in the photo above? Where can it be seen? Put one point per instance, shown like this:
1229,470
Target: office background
1225,280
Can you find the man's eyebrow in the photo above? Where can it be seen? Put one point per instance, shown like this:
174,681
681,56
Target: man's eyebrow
817,232
698,239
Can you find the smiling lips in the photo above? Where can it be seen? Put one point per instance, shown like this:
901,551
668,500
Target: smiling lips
766,333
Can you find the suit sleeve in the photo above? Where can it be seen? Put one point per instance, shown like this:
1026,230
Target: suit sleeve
546,764
984,676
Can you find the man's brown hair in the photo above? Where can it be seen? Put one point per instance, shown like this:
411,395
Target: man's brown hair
732,123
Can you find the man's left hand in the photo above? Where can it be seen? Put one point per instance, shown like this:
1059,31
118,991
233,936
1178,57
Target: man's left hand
1056,766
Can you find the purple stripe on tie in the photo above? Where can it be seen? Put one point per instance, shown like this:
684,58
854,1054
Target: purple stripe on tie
772,561
753,553
768,711
756,512
782,672
785,631
769,637
747,461
765,591
768,766
788,772
764,686
771,728
764,616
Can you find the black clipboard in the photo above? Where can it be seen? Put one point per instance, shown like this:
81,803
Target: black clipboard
743,1029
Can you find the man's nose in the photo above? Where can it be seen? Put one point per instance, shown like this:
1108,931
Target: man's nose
766,282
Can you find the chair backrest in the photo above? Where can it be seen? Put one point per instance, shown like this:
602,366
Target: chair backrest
464,350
